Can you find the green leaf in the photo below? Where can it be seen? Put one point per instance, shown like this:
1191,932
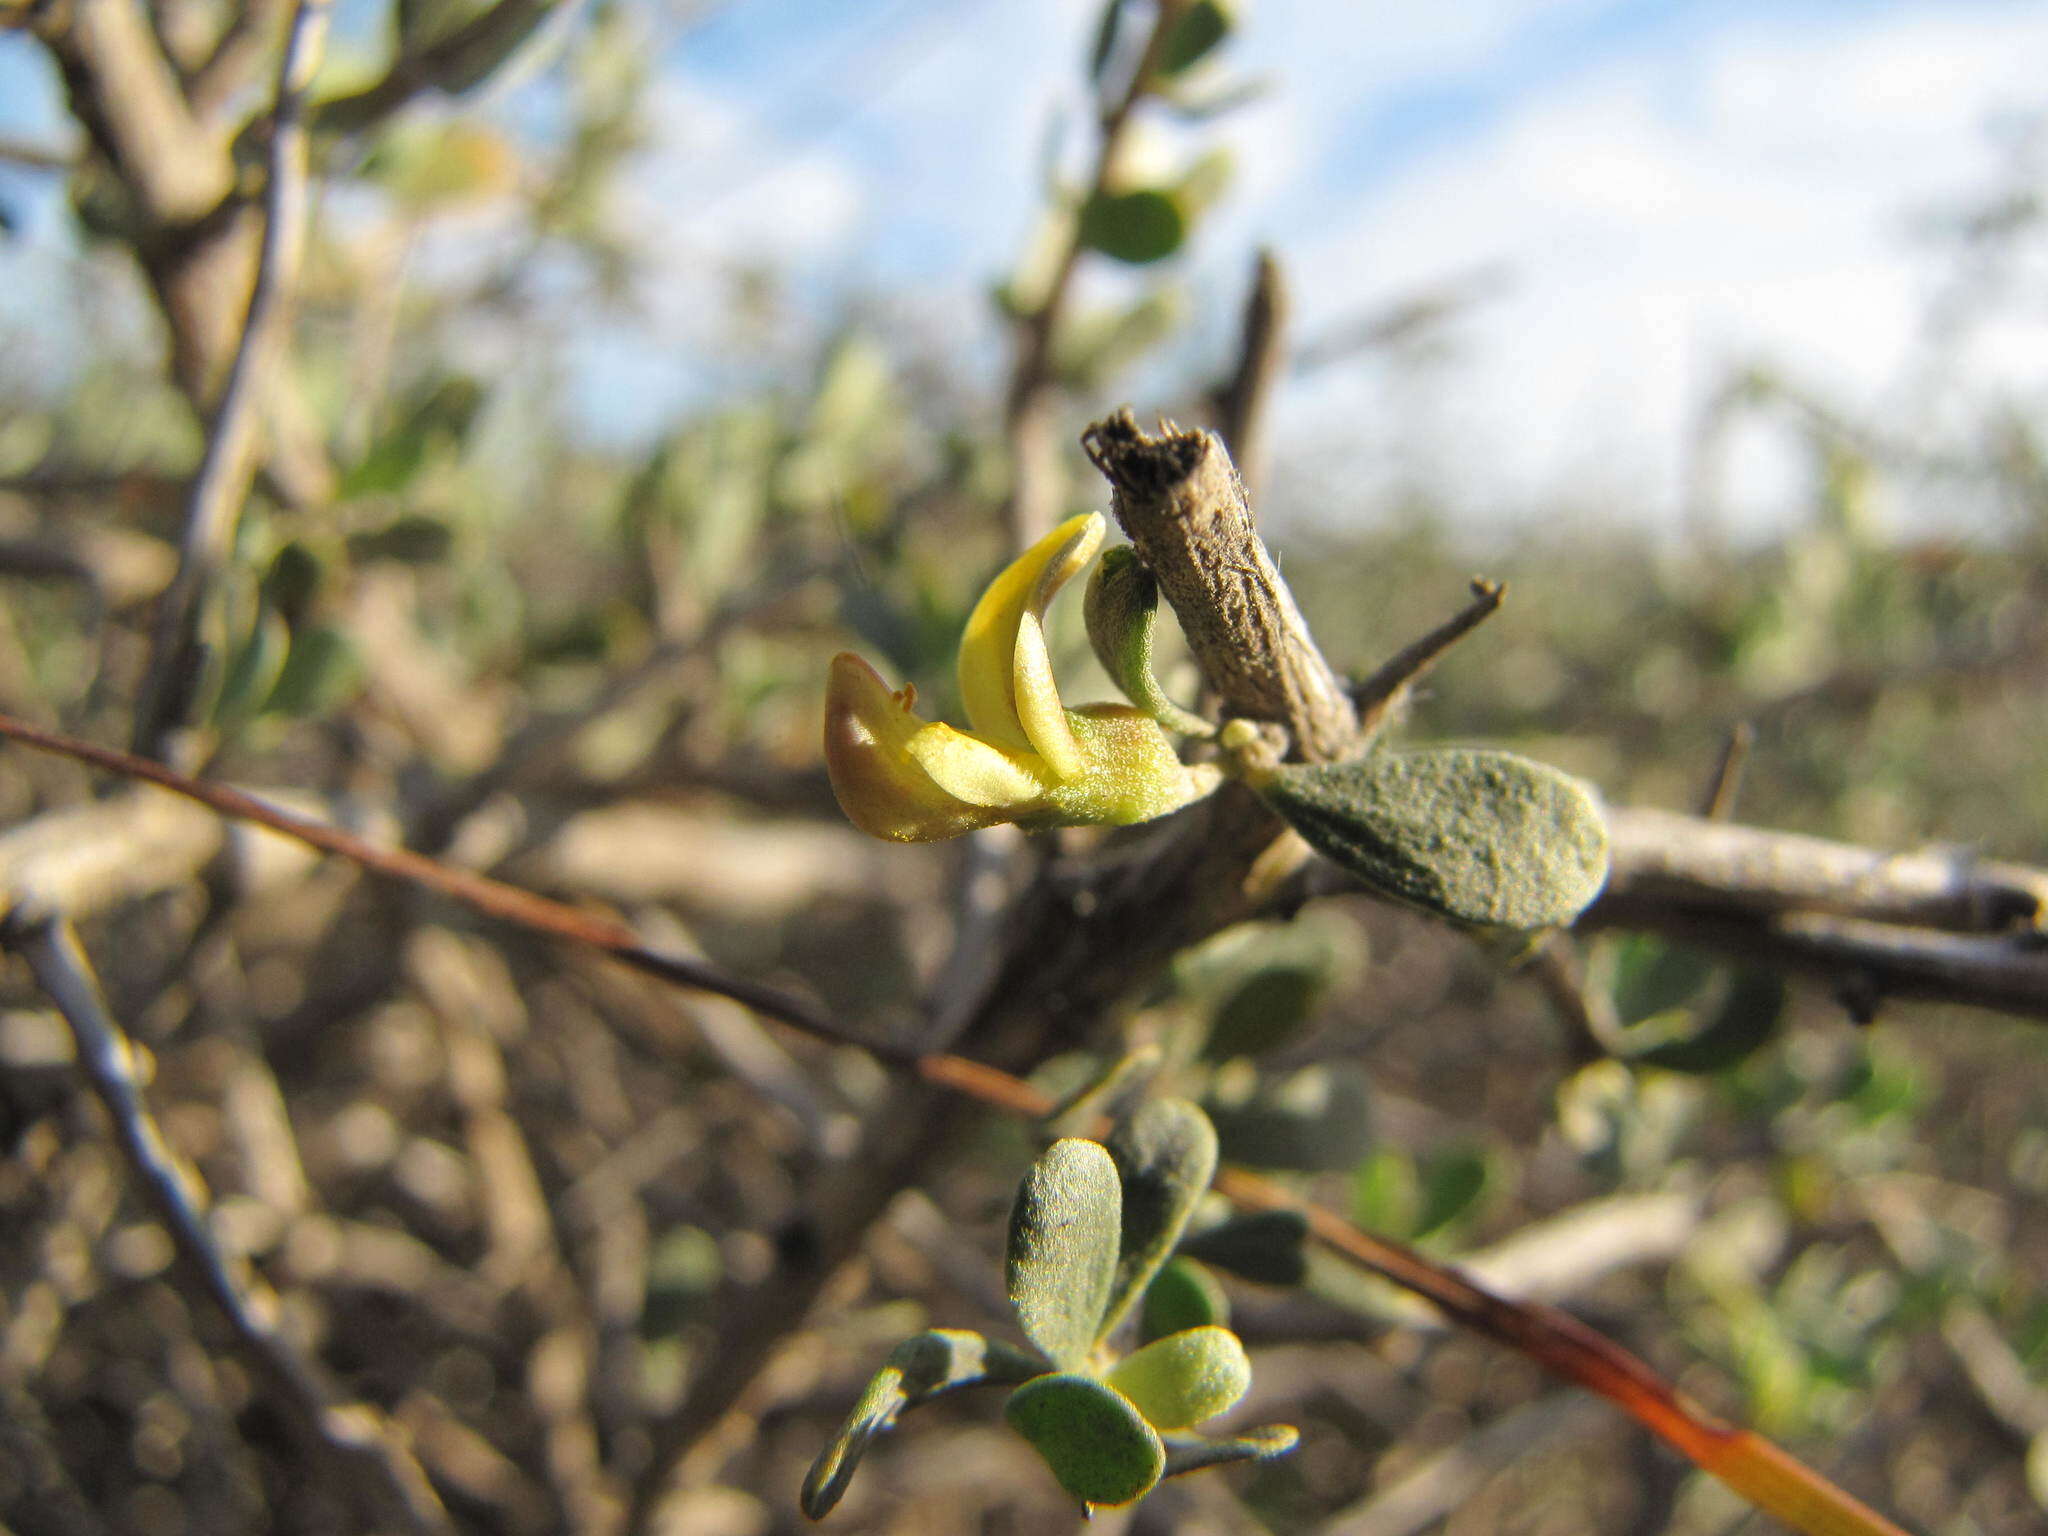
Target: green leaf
1191,1453
1317,1119
1141,226
1650,977
1184,1378
1747,1017
1195,35
1096,1442
1062,1261
253,669
320,671
1165,1154
1121,607
917,1370
1264,1246
1452,1182
1182,1295
1269,1007
1480,837
408,540
1385,1193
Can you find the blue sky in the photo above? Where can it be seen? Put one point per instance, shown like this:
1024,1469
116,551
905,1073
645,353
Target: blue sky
1669,189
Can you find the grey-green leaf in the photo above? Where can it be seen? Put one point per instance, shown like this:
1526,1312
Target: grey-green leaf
1191,1453
1265,1246
1064,1233
917,1369
1315,1120
1480,837
1097,1444
1165,1154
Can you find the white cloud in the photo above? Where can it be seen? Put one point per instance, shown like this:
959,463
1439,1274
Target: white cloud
1670,213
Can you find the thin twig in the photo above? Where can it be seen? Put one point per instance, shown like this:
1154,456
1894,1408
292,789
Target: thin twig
1261,353
1718,803
366,1463
227,468
493,898
1379,697
34,155
1029,428
454,63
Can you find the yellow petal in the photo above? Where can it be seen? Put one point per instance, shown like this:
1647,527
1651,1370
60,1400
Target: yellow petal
1037,699
1005,673
969,769
869,734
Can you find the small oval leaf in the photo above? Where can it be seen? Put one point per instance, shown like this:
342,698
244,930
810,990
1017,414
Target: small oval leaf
1191,1453
1184,1378
1183,1295
1096,1442
1480,837
1142,226
1165,1155
1269,1008
1316,1120
1195,35
1063,1248
1264,1246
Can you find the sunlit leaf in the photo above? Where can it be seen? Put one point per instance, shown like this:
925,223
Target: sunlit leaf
1064,1233
1191,1453
1480,837
917,1369
1096,1442
1184,1378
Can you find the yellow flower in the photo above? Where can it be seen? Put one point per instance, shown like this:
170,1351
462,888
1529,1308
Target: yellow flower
1030,759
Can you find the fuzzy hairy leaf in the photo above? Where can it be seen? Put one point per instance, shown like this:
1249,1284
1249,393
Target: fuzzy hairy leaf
1184,1378
1480,837
917,1369
1191,1453
1165,1155
1064,1234
1096,1442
